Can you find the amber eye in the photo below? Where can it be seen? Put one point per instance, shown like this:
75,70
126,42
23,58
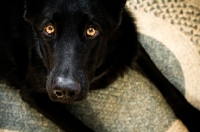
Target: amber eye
91,32
49,29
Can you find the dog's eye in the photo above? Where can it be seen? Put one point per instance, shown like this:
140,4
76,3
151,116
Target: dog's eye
49,29
91,32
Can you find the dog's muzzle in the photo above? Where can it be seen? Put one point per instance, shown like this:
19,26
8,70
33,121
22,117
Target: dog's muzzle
65,89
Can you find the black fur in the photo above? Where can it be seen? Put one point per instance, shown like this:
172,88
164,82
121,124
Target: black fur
51,69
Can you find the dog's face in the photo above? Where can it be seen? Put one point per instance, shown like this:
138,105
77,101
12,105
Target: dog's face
72,40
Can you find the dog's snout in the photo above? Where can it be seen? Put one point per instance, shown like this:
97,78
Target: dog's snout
66,89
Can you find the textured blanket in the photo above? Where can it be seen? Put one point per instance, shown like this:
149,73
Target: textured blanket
170,32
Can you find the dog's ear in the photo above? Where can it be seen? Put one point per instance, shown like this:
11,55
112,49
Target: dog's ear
114,8
32,9
115,3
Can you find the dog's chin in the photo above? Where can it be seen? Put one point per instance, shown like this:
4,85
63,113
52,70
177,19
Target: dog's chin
69,101
77,101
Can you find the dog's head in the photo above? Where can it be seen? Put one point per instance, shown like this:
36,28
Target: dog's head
72,40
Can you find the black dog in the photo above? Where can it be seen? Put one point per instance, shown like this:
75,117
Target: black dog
57,50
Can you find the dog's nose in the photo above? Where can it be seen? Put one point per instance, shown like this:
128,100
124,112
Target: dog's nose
66,88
